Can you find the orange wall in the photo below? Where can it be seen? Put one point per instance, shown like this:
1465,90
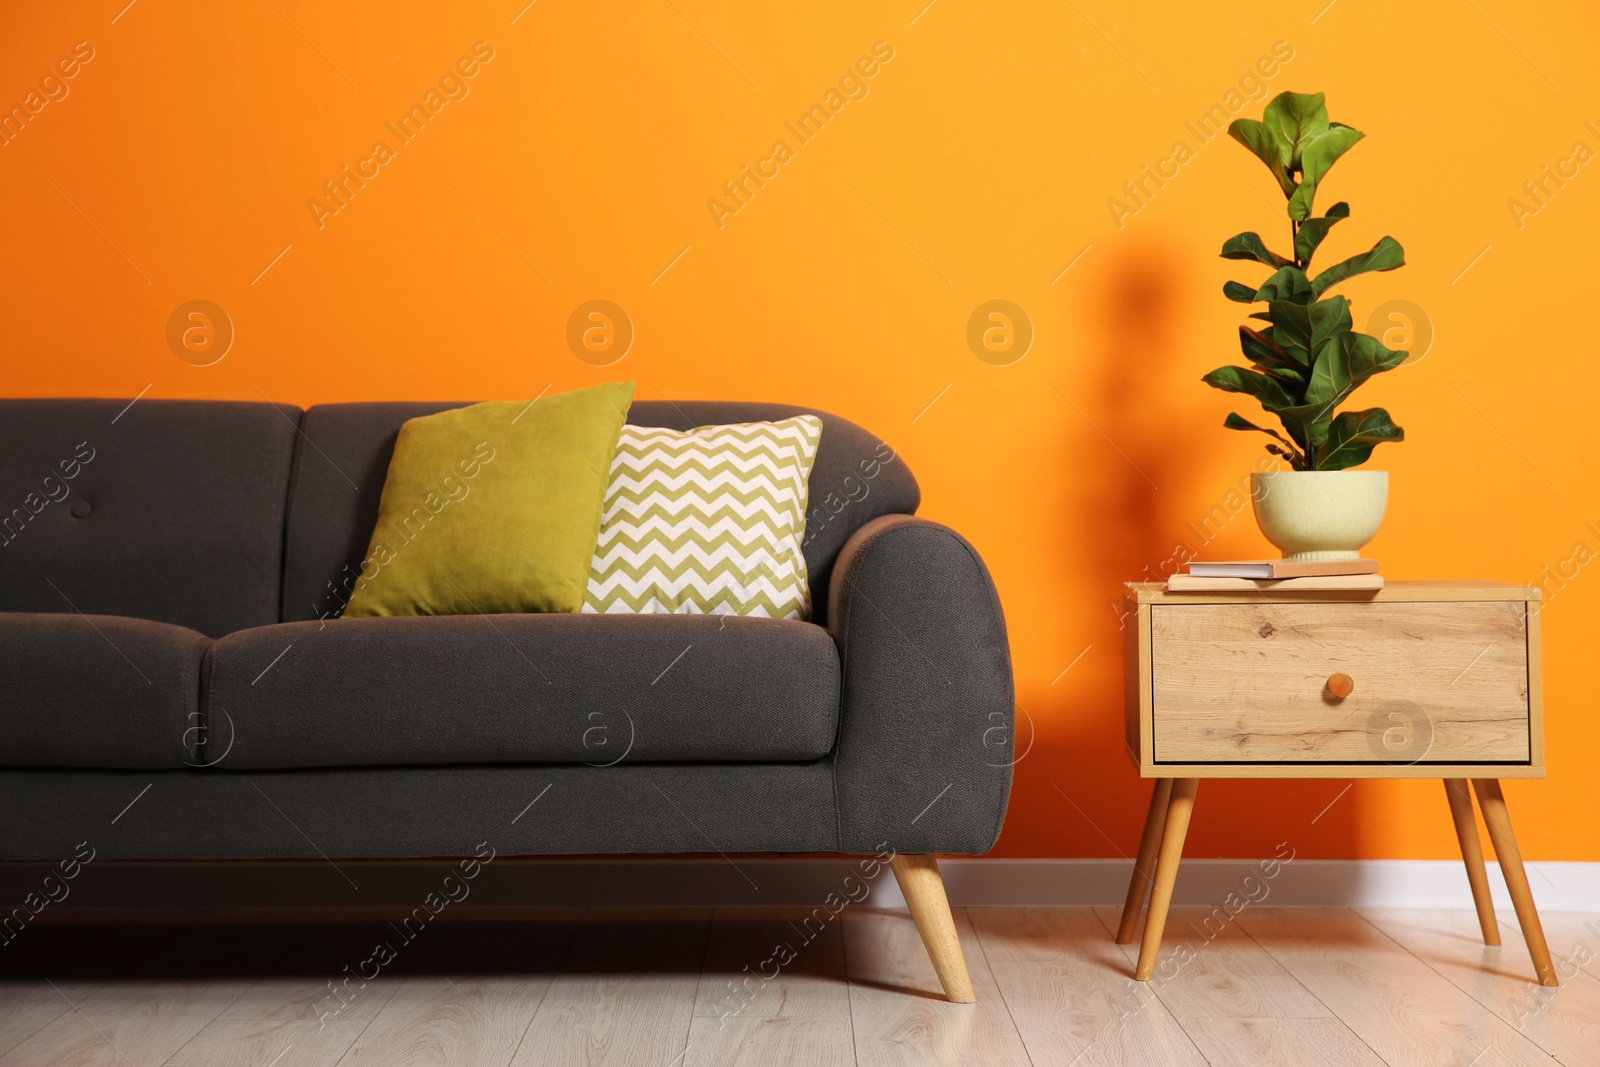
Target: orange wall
978,166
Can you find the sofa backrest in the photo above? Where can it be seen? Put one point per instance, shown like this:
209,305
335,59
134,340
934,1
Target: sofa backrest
343,456
171,510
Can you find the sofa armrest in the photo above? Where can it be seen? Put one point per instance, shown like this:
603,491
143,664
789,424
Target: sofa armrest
924,753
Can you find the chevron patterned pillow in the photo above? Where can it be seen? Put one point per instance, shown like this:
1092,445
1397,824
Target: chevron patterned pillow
707,521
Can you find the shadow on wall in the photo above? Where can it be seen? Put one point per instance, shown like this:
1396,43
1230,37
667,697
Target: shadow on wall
1122,458
1135,365
1135,477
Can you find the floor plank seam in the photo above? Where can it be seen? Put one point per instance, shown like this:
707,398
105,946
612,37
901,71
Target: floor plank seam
516,1045
1157,986
25,1038
1453,984
1243,929
1332,1012
1432,965
694,1001
849,996
344,1057
574,929
999,990
354,1044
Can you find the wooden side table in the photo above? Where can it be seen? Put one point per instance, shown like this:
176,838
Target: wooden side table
1420,680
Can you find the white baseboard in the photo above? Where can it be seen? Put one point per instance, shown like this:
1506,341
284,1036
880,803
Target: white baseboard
791,880
1301,882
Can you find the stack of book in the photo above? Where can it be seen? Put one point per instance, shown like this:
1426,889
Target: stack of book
1224,576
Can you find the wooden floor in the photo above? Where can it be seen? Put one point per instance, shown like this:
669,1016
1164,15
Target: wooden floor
667,987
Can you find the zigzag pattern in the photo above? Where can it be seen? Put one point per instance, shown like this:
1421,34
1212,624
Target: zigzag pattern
707,521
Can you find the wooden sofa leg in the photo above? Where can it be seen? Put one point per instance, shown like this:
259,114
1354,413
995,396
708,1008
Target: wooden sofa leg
930,910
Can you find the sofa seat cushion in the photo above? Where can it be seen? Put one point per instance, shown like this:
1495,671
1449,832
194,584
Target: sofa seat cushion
521,689
98,691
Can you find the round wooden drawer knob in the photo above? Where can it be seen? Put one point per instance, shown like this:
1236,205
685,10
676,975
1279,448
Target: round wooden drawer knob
1341,685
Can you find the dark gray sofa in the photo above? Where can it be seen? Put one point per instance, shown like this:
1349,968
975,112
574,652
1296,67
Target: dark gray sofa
175,684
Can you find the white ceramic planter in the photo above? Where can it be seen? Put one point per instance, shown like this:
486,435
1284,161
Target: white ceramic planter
1320,514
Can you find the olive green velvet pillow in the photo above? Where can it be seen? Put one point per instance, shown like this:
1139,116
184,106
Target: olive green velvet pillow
493,508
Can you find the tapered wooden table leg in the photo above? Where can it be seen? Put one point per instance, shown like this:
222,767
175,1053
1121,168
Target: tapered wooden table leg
1472,855
1498,820
1179,806
930,910
1144,867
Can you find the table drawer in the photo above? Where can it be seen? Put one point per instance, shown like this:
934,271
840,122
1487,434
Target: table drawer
1435,682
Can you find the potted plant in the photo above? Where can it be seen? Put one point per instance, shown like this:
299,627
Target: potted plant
1306,361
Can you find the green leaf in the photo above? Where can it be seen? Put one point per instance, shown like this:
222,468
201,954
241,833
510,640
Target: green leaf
1271,149
1312,231
1315,160
1385,255
1287,283
1262,315
1250,246
1239,291
1352,437
1234,422
1261,349
1296,119
1301,330
1306,423
1254,383
1344,363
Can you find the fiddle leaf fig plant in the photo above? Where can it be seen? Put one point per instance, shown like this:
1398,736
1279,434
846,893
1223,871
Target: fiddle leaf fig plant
1306,360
